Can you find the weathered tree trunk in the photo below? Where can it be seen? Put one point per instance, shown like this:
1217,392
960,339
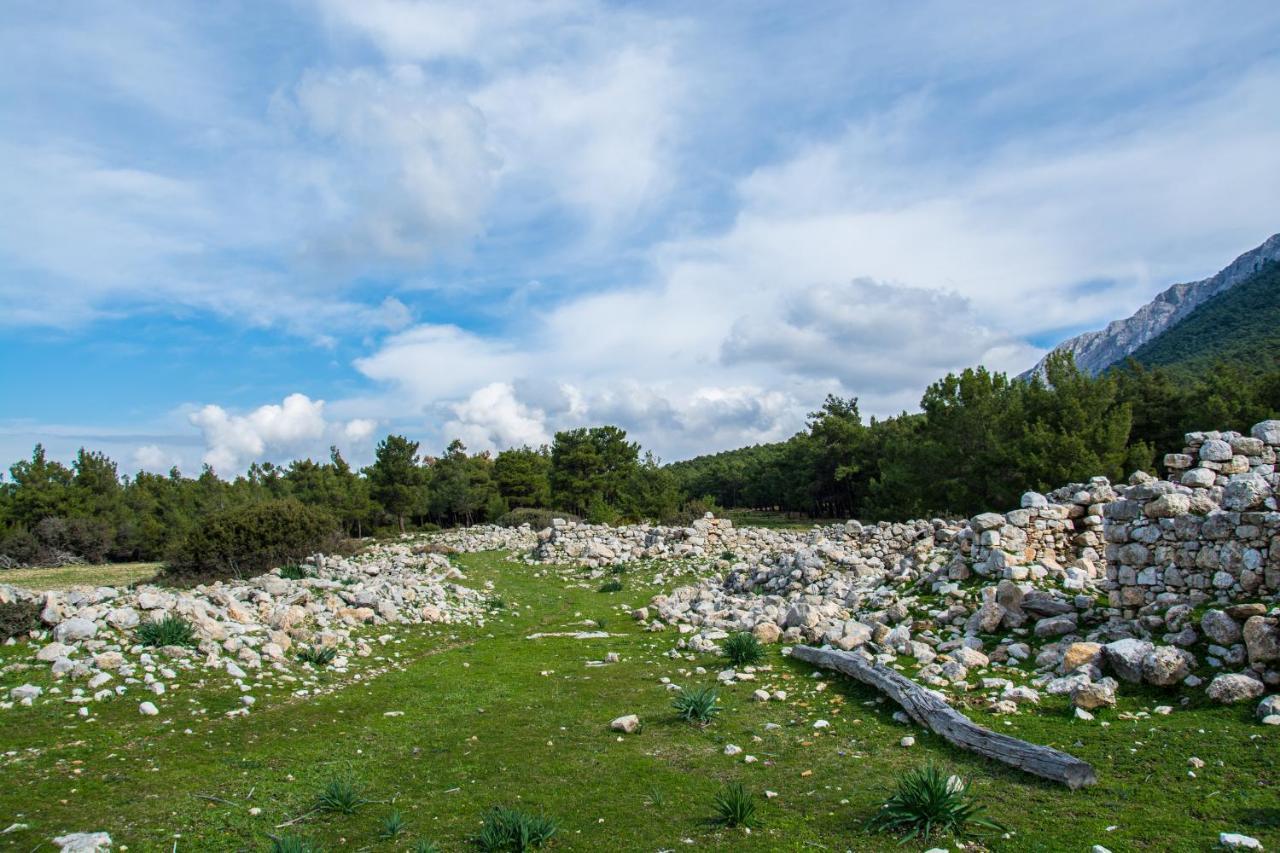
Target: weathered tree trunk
927,709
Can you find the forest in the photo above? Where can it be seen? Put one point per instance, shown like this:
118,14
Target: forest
979,441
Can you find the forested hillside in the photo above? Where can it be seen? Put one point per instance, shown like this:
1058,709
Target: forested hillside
1240,328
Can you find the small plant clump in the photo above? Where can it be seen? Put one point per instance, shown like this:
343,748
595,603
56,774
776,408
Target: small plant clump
392,825
743,649
18,618
294,572
614,585
927,802
293,844
341,795
425,846
172,630
698,705
495,602
735,806
316,655
508,829
728,556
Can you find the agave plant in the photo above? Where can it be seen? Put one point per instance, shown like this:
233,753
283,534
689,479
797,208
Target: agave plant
698,705
735,806
743,649
927,802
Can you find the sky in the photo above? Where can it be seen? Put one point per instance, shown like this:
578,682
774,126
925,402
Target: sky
251,230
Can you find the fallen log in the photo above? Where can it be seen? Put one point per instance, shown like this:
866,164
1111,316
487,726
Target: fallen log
928,709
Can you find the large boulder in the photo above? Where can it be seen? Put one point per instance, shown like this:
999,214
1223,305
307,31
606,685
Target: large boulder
1269,707
1165,666
1262,638
1090,696
1267,432
767,632
1230,688
74,630
1124,657
1056,626
1245,492
1080,654
1168,506
1220,628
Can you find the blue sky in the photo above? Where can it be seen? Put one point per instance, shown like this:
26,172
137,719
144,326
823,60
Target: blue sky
249,231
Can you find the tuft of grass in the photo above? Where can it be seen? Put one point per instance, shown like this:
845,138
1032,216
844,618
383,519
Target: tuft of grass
392,825
618,569
927,802
655,797
698,705
294,572
316,655
293,844
425,846
743,649
172,630
508,829
728,556
495,602
614,585
341,795
735,806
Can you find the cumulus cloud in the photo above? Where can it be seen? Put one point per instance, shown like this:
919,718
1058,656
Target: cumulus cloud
154,458
492,418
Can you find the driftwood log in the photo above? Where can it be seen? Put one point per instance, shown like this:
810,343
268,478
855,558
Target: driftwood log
927,709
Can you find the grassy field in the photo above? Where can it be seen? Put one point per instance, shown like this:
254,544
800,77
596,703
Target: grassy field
487,716
776,520
66,577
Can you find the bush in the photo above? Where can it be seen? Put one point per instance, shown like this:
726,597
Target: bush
507,829
172,630
613,585
538,519
743,649
18,618
697,705
735,806
927,802
250,540
294,572
22,548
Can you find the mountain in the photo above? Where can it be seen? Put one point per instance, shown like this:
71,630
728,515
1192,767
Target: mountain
1096,351
1239,326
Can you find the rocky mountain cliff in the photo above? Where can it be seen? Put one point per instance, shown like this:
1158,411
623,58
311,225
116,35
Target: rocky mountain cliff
1096,351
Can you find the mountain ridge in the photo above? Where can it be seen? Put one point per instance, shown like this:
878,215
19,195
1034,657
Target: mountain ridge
1097,350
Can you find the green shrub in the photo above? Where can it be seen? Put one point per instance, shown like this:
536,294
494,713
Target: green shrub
728,556
698,705
743,649
316,655
392,825
340,795
293,844
18,618
735,806
507,829
927,802
294,572
250,540
614,585
172,630
538,519
425,846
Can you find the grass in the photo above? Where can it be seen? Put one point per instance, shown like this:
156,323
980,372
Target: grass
698,705
508,829
392,825
68,577
316,655
743,649
340,795
293,844
735,806
614,585
172,630
501,731
294,572
927,802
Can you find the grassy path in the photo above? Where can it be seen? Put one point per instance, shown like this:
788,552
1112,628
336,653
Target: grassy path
486,716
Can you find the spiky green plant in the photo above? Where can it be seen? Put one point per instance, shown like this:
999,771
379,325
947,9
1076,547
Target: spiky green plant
294,572
613,585
743,649
928,802
735,806
655,797
495,602
316,655
728,556
617,569
508,829
172,630
340,795
425,846
293,844
698,705
392,825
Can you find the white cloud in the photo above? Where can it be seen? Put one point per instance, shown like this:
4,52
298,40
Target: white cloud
359,429
233,441
155,459
491,418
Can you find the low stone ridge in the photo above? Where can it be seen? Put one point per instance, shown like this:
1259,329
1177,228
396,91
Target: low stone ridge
241,627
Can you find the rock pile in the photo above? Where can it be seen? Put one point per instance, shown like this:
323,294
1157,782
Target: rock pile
240,626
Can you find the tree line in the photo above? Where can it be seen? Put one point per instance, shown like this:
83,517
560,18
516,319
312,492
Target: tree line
981,439
49,510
